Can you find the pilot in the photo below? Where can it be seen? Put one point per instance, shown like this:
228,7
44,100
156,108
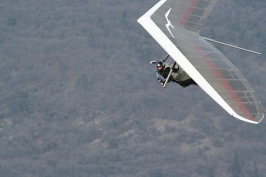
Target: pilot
178,75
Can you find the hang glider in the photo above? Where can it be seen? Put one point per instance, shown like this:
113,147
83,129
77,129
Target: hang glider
175,25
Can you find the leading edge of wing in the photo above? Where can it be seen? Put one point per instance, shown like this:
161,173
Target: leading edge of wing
175,53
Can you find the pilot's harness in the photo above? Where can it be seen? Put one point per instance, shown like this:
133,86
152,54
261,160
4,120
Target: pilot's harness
172,69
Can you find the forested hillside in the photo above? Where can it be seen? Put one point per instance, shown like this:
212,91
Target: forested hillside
79,98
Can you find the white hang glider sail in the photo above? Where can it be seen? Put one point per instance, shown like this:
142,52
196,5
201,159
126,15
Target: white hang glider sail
175,25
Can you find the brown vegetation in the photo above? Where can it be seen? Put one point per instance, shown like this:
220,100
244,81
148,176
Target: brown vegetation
78,97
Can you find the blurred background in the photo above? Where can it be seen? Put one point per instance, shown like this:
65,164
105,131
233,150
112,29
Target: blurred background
79,97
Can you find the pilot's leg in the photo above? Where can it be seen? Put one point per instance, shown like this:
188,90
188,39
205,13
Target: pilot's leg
187,82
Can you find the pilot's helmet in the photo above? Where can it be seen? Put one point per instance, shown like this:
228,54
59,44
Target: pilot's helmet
160,66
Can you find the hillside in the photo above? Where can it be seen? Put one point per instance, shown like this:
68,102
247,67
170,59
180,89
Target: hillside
79,98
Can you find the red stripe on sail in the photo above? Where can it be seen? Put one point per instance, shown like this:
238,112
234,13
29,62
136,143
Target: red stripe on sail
225,83
188,12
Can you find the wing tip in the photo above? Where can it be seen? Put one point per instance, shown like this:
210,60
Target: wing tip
261,118
257,121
